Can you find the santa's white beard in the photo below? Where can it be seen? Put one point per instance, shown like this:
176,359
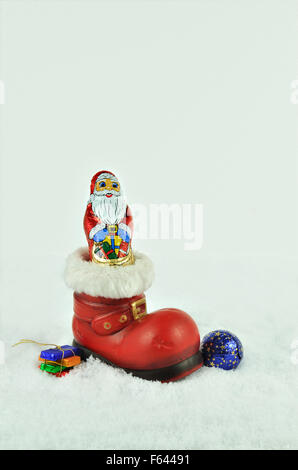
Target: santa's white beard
109,210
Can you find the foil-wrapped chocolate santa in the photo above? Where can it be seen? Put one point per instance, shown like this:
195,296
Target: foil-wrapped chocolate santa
108,221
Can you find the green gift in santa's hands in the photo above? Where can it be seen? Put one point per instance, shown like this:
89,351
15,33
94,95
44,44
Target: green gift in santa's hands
108,250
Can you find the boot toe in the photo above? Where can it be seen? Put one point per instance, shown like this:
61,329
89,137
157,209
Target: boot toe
160,339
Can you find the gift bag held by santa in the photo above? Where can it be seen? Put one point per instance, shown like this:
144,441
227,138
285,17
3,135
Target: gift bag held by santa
109,281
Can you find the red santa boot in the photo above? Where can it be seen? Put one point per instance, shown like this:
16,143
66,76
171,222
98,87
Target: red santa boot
110,317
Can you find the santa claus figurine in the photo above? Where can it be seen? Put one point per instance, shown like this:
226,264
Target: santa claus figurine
108,221
109,280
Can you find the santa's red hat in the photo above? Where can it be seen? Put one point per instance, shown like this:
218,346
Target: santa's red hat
95,177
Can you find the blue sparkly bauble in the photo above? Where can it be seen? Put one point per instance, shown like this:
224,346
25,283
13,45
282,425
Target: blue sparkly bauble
222,349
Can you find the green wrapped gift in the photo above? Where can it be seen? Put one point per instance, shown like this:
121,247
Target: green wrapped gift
52,368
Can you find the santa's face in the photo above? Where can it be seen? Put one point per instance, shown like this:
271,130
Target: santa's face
107,187
108,203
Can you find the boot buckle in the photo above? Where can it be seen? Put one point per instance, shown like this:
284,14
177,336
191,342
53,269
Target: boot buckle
136,310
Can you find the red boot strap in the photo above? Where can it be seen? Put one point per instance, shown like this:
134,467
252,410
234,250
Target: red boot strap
115,319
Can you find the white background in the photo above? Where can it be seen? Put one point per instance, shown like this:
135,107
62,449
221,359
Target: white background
187,102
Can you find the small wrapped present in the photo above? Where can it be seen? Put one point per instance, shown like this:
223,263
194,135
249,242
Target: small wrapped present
52,368
67,362
56,354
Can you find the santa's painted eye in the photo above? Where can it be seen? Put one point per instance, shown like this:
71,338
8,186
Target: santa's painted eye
102,184
115,185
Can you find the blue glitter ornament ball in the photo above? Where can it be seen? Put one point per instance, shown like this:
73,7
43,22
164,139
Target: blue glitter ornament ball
222,349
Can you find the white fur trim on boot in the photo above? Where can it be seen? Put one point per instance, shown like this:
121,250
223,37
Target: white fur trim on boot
114,282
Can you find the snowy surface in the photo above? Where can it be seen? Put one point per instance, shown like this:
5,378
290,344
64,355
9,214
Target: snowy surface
97,407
